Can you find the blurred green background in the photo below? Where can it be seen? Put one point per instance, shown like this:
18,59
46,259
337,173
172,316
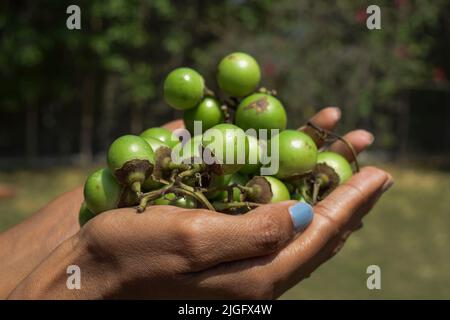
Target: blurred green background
66,94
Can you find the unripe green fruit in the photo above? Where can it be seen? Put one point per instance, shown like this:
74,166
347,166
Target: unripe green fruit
85,214
254,153
339,164
229,145
191,149
171,199
207,111
261,111
154,143
236,178
238,74
218,182
279,190
162,134
183,88
266,189
131,159
297,154
101,191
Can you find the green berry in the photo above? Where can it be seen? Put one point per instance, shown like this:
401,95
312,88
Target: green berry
171,199
229,146
183,88
279,190
131,159
218,182
265,189
162,134
339,164
261,111
252,162
297,154
101,191
238,74
85,214
208,112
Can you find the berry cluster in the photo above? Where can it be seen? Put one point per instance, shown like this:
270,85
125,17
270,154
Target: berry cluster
143,171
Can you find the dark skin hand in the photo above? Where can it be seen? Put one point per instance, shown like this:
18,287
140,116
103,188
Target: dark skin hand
169,252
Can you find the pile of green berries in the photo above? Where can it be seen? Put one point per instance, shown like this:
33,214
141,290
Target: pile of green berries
142,170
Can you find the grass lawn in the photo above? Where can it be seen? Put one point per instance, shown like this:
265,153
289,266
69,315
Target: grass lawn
407,235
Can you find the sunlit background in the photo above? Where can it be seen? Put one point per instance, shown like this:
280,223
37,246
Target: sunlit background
65,95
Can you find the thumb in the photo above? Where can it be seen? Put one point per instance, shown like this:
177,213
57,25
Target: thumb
262,231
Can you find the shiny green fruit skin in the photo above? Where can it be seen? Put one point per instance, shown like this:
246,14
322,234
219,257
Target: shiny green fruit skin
101,191
297,154
162,134
253,151
154,143
127,148
238,74
279,190
261,111
183,88
338,163
207,111
218,182
228,144
192,148
84,215
170,199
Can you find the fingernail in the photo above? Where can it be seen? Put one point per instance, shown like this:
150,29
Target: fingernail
338,112
370,137
302,215
387,185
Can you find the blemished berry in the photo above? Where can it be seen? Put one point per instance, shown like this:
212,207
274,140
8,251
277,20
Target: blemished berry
339,164
131,160
261,111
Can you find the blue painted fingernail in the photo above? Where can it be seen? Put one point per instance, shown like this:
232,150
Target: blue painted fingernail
302,215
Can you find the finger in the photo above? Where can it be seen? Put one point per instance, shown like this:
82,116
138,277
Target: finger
299,258
214,238
327,119
346,199
359,139
175,124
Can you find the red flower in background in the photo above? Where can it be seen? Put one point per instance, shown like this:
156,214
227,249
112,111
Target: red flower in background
360,16
439,74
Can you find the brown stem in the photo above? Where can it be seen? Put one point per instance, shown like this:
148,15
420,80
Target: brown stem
323,133
233,205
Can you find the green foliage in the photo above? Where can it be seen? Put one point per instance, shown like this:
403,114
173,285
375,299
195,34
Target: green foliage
315,53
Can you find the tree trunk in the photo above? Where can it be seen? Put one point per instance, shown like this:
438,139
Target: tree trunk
87,120
136,118
31,133
108,110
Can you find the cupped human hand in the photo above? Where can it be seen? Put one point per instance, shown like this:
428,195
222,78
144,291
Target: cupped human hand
169,252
